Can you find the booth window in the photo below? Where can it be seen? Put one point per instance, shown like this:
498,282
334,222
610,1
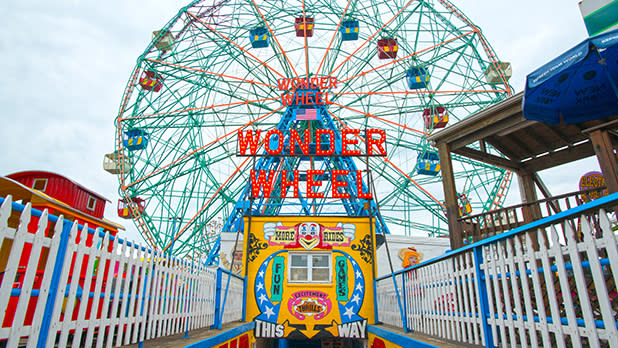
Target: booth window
39,184
309,267
91,202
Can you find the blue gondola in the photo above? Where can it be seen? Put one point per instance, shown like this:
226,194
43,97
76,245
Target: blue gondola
349,30
428,163
417,78
259,37
135,139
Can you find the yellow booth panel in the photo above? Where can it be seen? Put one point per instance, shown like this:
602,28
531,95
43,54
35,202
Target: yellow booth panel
310,275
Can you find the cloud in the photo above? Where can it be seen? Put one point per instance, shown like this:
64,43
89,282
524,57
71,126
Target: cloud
65,65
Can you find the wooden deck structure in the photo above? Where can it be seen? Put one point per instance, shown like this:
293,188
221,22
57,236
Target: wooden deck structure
527,148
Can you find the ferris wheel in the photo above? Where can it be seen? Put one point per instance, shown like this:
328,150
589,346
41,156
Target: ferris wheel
407,67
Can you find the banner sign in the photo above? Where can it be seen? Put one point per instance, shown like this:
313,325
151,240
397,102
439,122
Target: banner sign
589,181
341,274
277,284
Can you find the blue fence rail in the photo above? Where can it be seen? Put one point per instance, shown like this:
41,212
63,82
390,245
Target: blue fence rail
550,283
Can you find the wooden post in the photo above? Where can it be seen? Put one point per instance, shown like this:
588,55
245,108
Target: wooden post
604,150
528,194
532,211
450,196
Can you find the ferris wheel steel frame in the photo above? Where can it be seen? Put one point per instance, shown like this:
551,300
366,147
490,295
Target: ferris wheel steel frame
215,83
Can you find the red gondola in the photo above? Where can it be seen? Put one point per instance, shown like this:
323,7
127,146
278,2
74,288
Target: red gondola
151,81
123,206
465,208
435,117
299,25
387,48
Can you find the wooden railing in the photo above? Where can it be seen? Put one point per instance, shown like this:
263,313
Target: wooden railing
480,226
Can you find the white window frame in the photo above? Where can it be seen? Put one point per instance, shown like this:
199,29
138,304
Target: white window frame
310,268
94,203
39,180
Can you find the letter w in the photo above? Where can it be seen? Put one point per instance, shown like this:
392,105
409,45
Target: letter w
344,330
253,142
284,84
262,182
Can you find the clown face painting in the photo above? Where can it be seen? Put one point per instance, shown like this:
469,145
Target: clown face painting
309,234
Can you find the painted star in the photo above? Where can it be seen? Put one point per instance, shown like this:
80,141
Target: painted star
349,311
269,312
261,274
355,298
260,286
358,274
359,287
263,298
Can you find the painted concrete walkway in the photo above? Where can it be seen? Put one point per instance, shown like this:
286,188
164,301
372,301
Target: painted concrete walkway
202,334
180,340
429,340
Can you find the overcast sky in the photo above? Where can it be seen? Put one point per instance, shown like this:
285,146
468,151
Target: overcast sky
65,65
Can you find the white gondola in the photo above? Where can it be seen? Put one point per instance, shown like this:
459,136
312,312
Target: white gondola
493,77
112,164
164,40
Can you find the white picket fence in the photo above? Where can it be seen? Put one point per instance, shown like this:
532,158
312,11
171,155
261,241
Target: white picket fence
435,299
551,284
235,298
126,293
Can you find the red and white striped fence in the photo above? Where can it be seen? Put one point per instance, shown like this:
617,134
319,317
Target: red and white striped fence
111,293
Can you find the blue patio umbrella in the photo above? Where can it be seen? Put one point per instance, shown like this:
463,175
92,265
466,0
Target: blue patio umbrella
579,85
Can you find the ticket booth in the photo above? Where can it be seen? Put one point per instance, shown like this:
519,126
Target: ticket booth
310,280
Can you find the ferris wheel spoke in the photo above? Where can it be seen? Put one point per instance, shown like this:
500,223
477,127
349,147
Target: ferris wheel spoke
193,152
237,46
371,37
169,176
404,192
381,119
172,113
395,61
317,72
184,228
412,181
210,73
212,213
188,198
272,33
